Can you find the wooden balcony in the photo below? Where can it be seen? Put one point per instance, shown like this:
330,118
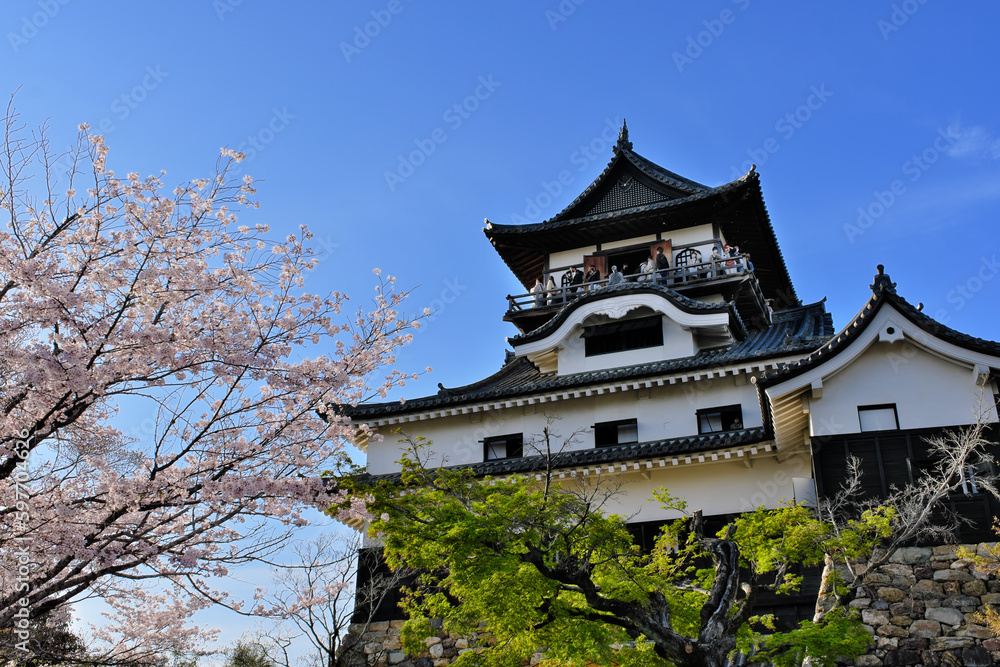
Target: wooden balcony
735,281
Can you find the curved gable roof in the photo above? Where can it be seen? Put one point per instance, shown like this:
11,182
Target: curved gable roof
682,302
883,292
796,331
628,170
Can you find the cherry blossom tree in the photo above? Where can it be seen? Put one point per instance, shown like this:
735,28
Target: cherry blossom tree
121,298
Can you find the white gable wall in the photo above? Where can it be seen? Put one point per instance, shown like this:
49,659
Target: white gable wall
927,390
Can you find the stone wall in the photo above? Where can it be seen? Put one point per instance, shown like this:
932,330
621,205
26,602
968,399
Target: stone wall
921,614
923,611
379,646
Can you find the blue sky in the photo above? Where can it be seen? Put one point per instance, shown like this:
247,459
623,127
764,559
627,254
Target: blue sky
348,111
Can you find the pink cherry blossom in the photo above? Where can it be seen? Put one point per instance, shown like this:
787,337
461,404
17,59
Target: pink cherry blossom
145,299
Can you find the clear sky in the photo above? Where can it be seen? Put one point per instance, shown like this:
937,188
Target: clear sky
394,127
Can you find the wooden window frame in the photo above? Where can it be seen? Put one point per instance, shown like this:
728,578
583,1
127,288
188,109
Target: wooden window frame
603,428
515,452
878,406
737,407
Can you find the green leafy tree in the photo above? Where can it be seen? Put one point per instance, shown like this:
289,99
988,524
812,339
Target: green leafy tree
50,642
247,654
546,568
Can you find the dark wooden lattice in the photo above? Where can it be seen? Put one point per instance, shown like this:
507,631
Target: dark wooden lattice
687,257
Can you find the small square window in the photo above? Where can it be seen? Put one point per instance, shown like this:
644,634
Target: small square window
720,420
503,447
622,432
878,417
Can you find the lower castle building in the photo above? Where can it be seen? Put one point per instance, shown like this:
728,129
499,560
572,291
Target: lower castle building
658,321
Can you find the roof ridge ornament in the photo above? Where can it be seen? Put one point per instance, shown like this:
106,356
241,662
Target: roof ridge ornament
882,282
623,142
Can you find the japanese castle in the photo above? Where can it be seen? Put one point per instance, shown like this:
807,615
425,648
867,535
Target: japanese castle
707,376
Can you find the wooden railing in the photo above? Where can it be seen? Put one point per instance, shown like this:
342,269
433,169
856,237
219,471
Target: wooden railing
703,272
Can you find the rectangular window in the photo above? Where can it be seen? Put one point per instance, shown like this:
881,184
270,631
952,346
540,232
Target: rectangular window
622,432
878,417
632,334
503,447
719,420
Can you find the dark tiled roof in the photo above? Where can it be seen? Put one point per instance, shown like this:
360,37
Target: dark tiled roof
738,207
883,293
497,229
606,455
796,331
686,304
623,151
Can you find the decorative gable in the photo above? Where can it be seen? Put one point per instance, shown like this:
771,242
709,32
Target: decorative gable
627,192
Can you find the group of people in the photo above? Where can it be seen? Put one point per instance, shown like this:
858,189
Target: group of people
731,253
656,267
571,282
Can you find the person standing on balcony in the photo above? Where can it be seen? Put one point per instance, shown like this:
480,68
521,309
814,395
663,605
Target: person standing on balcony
616,278
593,275
576,284
730,252
716,258
647,268
662,265
565,282
538,292
551,288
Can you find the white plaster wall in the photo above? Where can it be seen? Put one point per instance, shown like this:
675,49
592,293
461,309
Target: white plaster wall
695,234
572,257
928,391
677,343
661,412
720,487
624,243
679,237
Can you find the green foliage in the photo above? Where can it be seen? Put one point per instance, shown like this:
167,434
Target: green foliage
544,566
50,644
839,634
247,654
986,558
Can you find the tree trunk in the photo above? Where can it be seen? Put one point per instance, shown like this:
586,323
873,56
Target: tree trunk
713,654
